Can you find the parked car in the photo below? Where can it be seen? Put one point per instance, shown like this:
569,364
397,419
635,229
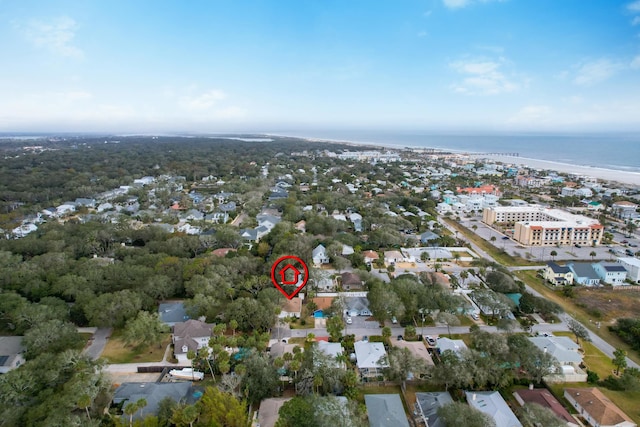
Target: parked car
474,316
431,341
349,320
577,245
400,338
505,238
394,320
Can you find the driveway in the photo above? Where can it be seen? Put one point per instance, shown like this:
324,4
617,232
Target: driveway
97,343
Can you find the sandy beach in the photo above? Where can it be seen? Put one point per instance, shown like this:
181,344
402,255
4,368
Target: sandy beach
600,173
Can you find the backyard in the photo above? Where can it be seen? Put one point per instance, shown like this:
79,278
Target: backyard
117,351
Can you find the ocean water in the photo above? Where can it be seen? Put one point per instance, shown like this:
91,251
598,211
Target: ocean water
616,151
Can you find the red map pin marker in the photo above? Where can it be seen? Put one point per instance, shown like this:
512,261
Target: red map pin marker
289,274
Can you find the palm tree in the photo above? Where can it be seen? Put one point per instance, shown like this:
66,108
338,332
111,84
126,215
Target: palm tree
553,254
84,401
592,254
464,275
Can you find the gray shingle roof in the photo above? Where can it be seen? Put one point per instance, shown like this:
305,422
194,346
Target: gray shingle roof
385,410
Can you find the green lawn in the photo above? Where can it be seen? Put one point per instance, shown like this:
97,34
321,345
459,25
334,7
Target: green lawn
117,351
593,358
529,277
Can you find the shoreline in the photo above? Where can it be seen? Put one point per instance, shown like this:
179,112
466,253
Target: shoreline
604,174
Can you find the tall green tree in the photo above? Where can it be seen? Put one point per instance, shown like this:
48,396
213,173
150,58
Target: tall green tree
458,414
146,329
619,360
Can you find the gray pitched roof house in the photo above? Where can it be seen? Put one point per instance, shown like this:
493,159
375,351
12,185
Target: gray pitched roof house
385,410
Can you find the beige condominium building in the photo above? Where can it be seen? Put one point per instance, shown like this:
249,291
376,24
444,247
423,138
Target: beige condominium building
539,226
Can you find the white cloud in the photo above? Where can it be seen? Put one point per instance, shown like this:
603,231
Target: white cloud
634,6
635,63
422,34
482,78
459,4
55,35
427,14
590,73
203,101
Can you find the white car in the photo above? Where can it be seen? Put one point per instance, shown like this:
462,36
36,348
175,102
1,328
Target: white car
394,320
349,321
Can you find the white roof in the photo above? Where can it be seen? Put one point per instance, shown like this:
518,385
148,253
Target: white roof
331,349
448,344
492,404
562,348
368,354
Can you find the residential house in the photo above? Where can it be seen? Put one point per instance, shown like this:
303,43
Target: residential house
428,404
393,257
369,359
357,306
227,207
249,234
153,394
596,408
565,351
624,209
291,308
544,398
11,353
370,256
351,281
612,274
333,350
190,335
558,275
347,250
268,221
319,255
417,349
492,404
172,313
443,344
427,237
65,209
385,410
632,265
301,226
584,274
84,202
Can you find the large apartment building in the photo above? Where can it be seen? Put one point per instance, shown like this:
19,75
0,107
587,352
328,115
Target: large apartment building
539,226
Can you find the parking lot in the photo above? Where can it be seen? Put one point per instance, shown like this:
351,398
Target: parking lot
563,253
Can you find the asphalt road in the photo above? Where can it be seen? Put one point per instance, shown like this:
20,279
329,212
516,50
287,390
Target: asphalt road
98,342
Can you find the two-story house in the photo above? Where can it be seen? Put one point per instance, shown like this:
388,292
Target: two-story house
558,275
612,274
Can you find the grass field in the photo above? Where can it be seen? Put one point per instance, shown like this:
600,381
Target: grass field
116,351
569,306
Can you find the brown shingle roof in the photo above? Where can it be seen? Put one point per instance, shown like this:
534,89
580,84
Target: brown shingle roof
544,398
192,328
596,404
323,302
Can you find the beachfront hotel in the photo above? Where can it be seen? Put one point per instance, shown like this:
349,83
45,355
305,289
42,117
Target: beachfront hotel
539,226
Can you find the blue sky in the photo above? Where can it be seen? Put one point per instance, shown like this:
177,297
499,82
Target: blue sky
281,65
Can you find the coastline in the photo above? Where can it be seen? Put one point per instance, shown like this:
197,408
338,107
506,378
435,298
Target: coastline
604,174
612,175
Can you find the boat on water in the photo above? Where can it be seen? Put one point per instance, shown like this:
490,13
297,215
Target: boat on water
186,374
